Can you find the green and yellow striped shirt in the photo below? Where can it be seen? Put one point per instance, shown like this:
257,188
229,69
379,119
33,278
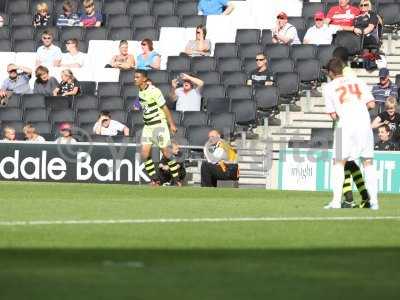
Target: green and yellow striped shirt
152,101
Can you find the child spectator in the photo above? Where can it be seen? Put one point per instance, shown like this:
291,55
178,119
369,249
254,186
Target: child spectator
32,135
165,173
68,86
44,83
390,117
65,134
41,18
384,142
69,17
9,134
90,18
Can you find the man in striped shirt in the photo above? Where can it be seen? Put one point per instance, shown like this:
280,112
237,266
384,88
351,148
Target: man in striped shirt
156,117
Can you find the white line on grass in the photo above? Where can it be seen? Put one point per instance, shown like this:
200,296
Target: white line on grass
196,220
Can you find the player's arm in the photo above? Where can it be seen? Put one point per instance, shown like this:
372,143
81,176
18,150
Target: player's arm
333,116
170,120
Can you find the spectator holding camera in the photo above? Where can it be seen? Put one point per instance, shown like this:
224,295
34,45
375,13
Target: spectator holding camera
199,46
390,117
108,127
186,92
17,81
284,32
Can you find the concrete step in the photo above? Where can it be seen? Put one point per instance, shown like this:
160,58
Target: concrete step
312,124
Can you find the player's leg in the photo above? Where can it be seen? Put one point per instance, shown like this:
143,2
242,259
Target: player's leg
146,142
337,184
347,188
207,177
371,180
358,179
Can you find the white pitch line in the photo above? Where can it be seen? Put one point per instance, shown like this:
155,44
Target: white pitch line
196,220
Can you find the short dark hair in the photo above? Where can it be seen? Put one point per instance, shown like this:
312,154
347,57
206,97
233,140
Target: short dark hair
335,65
342,54
149,43
105,113
74,41
143,72
203,28
48,32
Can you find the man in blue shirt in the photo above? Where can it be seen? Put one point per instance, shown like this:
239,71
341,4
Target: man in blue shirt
215,7
17,81
384,89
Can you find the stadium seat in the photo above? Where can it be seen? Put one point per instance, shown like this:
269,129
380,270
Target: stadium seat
85,102
22,33
123,33
225,50
178,63
4,33
234,78
163,8
62,115
289,86
267,98
143,21
247,36
114,7
239,92
157,76
118,21
249,65
224,122
324,54
266,37
87,87
100,33
24,45
309,9
276,51
67,33
165,88
119,115
390,12
229,64
298,22
129,90
194,118
321,138
245,112
281,65
302,52
17,6
108,89
139,8
88,116
36,115
5,46
33,101
177,116
187,8
14,101
213,91
193,21
126,76
210,77
58,102
20,19
146,33
198,135
168,21
250,50
44,129
136,118
202,64
218,105
348,40
308,69
111,103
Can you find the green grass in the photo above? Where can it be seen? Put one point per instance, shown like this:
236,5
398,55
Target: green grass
357,259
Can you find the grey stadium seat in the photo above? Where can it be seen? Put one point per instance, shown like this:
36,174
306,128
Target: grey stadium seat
120,116
198,135
309,9
88,87
224,122
33,101
188,8
146,33
24,45
22,33
17,6
266,37
177,116
139,8
213,91
308,69
163,8
20,19
194,118
88,116
202,64
303,52
281,65
193,21
136,118
5,46
126,76
143,21
58,102
118,21
249,65
108,89
67,33
229,64
178,63
17,125
114,7
99,33
288,84
209,77
63,115
390,12
348,40
245,112
266,97
36,115
225,50
247,36
298,22
158,76
117,34
250,50
129,90
85,102
218,105
324,54
111,103
234,78
239,92
4,33
276,51
168,21
14,101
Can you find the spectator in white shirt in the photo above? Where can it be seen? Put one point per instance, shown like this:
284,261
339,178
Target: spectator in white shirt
73,58
48,55
284,32
186,91
321,33
106,126
32,135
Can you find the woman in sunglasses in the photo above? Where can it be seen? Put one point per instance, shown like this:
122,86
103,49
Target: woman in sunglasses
200,46
366,24
148,59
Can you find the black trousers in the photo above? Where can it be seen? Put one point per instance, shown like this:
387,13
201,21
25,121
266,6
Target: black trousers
211,173
165,176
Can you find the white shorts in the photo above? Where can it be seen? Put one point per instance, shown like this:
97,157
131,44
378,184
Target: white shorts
353,143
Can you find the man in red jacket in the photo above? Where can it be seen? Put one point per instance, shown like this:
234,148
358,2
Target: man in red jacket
342,15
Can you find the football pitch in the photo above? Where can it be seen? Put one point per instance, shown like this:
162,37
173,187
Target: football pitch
89,241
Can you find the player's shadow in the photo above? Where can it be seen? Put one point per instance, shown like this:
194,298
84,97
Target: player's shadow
351,273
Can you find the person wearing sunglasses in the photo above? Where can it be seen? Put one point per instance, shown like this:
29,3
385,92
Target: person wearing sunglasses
17,81
73,58
215,7
66,136
342,14
366,24
284,32
148,59
68,17
48,55
260,76
90,18
321,33
200,46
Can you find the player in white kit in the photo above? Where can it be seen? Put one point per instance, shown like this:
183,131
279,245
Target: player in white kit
347,100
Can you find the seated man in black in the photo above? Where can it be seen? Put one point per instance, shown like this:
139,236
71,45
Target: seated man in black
366,24
221,161
165,172
260,76
384,142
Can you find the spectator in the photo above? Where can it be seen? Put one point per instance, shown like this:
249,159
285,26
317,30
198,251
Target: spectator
165,172
186,91
65,134
123,60
384,89
68,17
48,55
32,135
284,32
1,21
44,83
221,161
149,59
342,15
9,134
41,17
17,81
106,126
68,86
366,24
389,117
320,33
215,7
260,76
384,142
90,18
200,46
73,58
